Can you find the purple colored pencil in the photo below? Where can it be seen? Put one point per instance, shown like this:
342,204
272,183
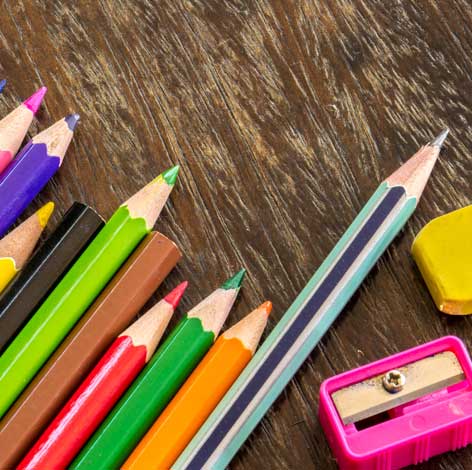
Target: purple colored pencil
33,167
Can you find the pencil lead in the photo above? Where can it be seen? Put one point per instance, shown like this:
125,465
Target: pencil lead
174,297
235,281
2,84
45,213
249,330
72,120
267,307
34,101
439,140
171,174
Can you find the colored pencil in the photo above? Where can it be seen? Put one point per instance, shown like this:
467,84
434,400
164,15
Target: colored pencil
112,312
14,126
159,381
80,286
3,82
32,168
199,395
17,246
77,228
310,316
92,401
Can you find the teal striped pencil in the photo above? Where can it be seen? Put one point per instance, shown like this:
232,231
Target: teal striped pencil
310,316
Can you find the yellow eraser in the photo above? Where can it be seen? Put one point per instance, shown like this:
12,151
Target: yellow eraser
443,252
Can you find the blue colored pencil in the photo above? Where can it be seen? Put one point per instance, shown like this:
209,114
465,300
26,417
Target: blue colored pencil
310,316
2,84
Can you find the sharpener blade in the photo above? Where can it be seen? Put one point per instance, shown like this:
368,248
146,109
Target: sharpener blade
369,398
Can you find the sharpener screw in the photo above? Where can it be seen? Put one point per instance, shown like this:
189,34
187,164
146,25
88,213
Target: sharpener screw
393,381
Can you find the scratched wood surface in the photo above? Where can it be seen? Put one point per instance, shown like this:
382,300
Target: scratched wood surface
284,116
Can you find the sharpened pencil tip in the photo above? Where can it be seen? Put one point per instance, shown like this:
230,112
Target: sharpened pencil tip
72,120
45,213
267,306
235,281
171,174
34,101
174,296
2,84
439,140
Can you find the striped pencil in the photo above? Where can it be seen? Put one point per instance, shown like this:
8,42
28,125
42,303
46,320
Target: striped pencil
17,246
33,167
15,125
3,82
197,398
92,401
310,316
159,381
80,286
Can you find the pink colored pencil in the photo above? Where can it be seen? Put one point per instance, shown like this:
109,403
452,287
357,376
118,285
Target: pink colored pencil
14,126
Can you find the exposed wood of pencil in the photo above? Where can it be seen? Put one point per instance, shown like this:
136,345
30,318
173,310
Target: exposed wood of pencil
249,330
148,329
20,242
13,127
57,139
213,310
415,172
149,201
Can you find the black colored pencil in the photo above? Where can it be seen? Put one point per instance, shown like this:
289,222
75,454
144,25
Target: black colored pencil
45,268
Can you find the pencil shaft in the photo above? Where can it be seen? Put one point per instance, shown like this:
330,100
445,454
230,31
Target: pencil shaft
22,180
87,407
159,380
299,330
147,397
187,411
110,314
77,228
67,302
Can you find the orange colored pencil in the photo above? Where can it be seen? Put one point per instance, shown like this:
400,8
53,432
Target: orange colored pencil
200,394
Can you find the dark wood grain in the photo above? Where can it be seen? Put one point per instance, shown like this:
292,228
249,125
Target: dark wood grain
284,115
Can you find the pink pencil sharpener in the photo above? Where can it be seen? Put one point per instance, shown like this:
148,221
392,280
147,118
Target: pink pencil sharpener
401,410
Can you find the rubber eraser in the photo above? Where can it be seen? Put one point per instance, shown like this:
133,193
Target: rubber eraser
443,252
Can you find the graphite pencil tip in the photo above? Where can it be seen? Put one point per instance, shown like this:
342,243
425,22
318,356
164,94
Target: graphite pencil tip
34,101
174,297
72,121
171,174
439,140
235,281
2,84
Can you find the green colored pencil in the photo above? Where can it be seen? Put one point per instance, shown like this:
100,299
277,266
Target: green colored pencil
159,381
80,286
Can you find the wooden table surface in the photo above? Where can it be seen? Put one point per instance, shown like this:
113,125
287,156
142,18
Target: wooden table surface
284,116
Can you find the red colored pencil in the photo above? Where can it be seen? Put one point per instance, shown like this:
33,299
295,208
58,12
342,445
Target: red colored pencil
105,384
